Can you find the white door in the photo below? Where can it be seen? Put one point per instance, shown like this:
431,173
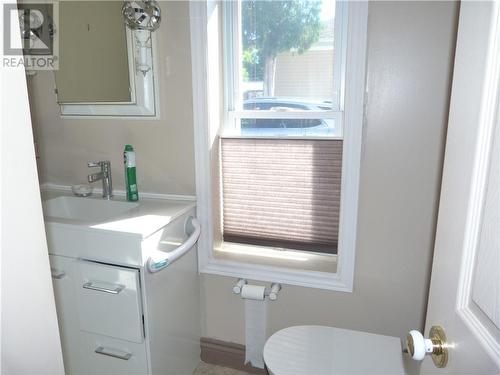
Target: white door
465,285
29,335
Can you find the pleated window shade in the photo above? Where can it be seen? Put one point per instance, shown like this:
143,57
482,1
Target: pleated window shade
282,192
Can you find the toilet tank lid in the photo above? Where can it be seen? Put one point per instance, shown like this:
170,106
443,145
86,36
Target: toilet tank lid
327,350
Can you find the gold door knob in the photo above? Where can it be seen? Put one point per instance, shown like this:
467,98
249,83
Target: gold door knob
436,345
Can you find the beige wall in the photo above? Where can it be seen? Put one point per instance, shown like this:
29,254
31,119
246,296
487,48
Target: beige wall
164,147
409,65
309,75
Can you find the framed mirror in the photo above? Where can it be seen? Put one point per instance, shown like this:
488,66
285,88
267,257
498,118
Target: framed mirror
105,67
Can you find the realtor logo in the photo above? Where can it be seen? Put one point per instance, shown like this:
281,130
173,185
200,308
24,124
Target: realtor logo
39,47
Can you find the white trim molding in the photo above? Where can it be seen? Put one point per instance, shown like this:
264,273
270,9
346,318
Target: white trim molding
468,310
354,90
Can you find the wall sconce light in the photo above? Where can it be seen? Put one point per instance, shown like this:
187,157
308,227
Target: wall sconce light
143,17
142,44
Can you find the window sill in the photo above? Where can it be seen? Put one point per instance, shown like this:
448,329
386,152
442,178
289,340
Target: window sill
281,266
277,257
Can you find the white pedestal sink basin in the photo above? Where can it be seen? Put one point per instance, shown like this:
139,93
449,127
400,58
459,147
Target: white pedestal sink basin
85,209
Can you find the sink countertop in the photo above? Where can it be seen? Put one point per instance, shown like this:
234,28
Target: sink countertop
149,216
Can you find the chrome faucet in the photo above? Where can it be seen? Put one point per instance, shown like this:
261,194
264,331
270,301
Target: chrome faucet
104,175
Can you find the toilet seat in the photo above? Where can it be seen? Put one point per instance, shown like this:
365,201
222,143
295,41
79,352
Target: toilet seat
319,350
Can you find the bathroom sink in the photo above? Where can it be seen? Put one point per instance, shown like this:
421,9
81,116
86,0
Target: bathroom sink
85,209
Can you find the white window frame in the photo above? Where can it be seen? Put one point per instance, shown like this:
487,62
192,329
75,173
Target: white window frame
204,115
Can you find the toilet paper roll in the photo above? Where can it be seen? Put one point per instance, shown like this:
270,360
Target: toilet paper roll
253,292
255,331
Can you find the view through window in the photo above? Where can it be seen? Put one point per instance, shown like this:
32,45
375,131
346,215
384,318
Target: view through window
285,59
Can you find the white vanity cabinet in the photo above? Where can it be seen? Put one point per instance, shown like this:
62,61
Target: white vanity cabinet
102,327
116,317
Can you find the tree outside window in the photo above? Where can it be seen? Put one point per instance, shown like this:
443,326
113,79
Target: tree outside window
270,27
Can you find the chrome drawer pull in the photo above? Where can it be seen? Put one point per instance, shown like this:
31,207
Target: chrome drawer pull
113,353
117,289
56,274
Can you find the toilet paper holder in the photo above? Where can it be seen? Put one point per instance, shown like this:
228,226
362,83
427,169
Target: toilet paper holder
271,292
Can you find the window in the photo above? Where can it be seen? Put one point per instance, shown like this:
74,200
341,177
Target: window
278,161
284,64
281,187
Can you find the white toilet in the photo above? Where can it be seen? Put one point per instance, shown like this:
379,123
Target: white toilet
319,350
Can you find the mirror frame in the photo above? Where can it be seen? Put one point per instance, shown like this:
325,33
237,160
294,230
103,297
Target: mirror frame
144,89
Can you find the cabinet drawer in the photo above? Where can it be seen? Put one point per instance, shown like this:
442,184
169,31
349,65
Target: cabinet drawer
105,355
109,300
64,280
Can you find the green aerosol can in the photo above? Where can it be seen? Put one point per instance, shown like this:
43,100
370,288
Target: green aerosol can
130,174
